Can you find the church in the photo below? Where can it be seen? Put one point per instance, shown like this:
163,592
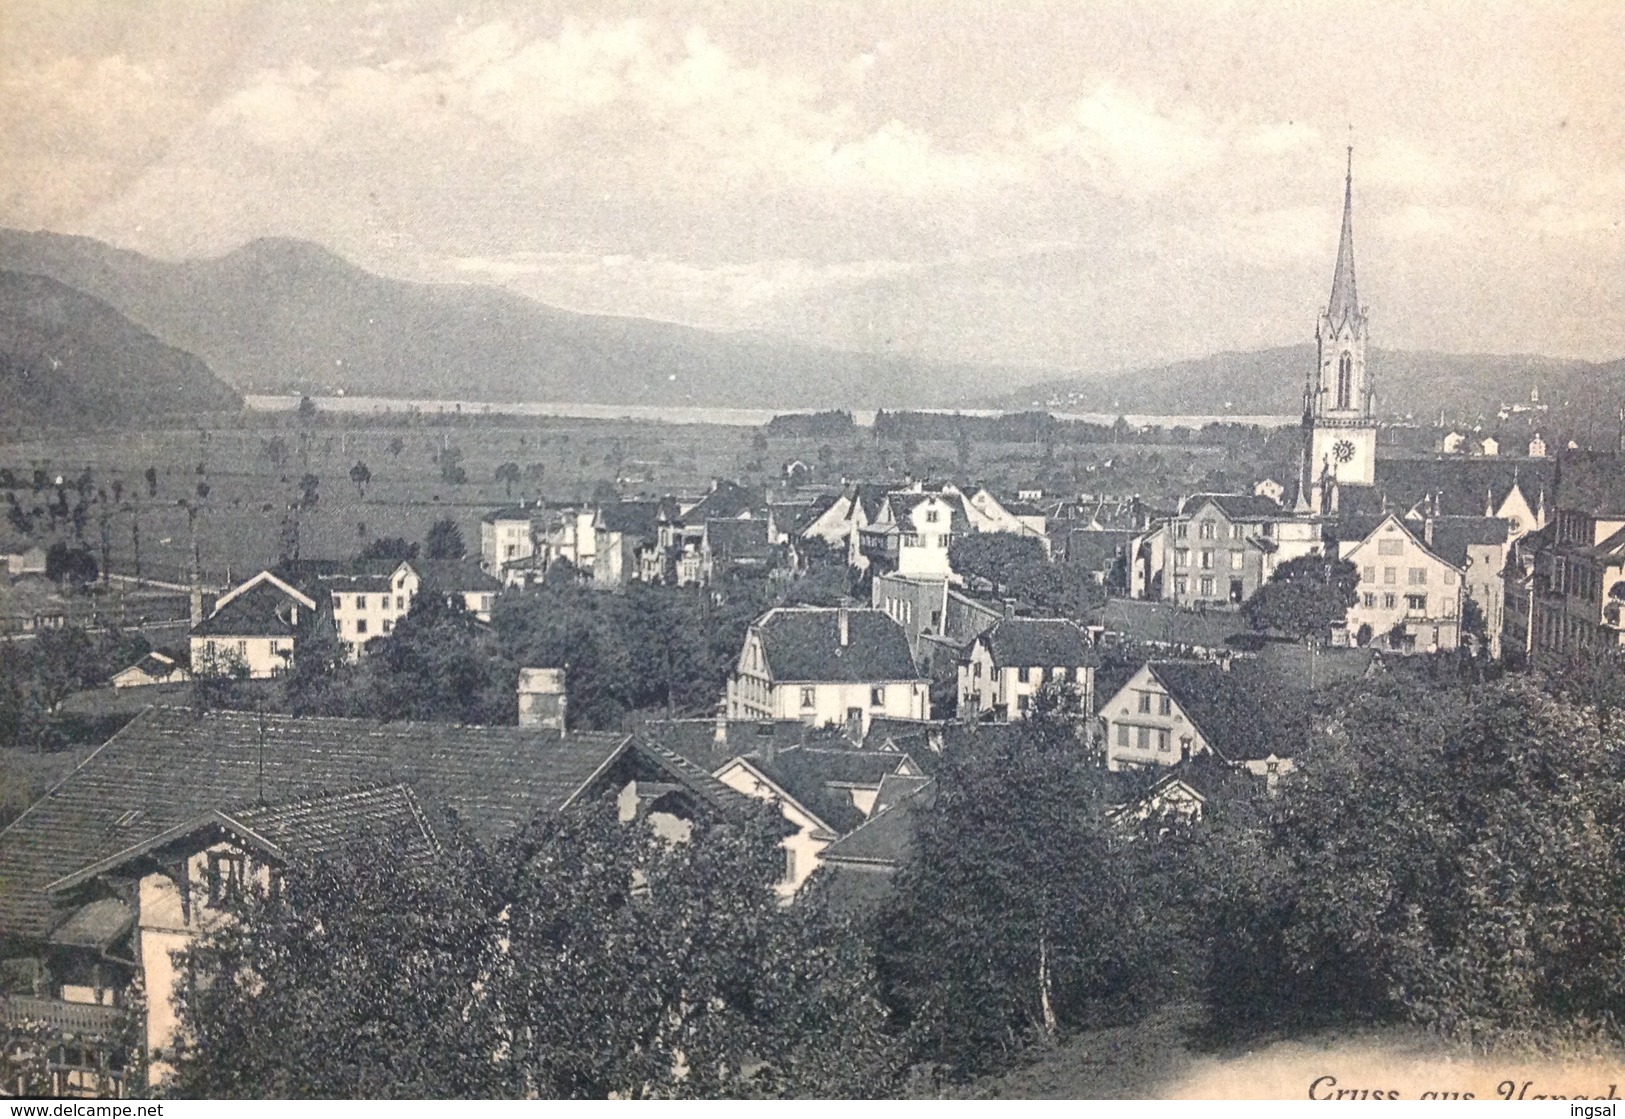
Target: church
1428,533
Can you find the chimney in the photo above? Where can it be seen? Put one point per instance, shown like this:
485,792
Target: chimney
542,698
843,625
1009,608
719,732
197,605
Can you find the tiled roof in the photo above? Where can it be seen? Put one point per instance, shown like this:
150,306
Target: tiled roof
802,643
726,501
1462,486
1452,536
1591,482
454,576
261,611
509,513
171,765
633,518
1245,713
731,540
97,924
888,837
323,824
1237,506
817,778
1050,642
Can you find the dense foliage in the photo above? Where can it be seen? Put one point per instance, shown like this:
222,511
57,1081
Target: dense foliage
590,959
1019,567
1305,598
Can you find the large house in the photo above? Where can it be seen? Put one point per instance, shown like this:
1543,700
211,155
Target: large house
1218,550
1409,596
1172,711
1006,666
253,629
1570,593
136,851
839,666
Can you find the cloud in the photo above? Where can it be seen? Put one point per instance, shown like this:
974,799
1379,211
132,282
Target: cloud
1126,143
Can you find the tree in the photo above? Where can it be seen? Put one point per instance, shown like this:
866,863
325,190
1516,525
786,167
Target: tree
1025,911
70,563
361,476
396,446
445,541
389,548
1305,598
309,484
307,409
451,468
1019,567
508,475
151,475
585,959
276,451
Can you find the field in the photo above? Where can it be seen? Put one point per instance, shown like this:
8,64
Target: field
250,488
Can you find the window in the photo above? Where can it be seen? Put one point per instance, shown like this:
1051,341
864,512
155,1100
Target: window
1236,532
1206,530
1122,734
1207,586
1419,576
1389,602
225,876
976,670
1370,598
338,602
389,626
1181,585
1182,557
936,618
1142,738
1164,742
1024,703
361,625
1450,608
1368,574
1390,575
1022,674
1416,602
1145,703
1207,561
1393,546
1058,673
877,696
930,516
360,602
1165,705
400,602
1236,559
1345,380
242,648
1181,530
809,697
789,865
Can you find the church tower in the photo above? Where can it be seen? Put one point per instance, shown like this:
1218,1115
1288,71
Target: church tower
1339,429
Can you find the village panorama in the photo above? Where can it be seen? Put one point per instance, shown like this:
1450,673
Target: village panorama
929,729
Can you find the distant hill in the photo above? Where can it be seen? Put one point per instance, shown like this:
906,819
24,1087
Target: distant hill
282,315
67,359
1270,382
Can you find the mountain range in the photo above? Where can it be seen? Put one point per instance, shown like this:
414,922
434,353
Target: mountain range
282,315
1271,382
279,316
68,359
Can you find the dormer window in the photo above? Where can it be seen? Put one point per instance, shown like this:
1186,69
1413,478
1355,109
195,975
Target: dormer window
225,876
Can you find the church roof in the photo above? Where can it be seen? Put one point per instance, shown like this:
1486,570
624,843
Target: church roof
1345,301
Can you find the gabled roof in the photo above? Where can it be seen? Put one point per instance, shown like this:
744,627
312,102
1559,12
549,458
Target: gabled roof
739,540
508,513
886,839
454,576
1245,713
821,780
274,579
169,766
263,610
1237,506
1591,482
726,501
1452,536
1047,642
1409,531
631,518
802,645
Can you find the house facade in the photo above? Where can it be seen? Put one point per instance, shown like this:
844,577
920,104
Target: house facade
1409,596
253,629
1005,667
1574,597
826,666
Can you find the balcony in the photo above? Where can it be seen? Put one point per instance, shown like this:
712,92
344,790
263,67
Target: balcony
77,1018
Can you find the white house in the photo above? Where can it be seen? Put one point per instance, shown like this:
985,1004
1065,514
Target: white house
1409,596
1007,665
253,628
827,666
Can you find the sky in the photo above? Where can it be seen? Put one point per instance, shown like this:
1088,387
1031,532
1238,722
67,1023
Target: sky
1087,186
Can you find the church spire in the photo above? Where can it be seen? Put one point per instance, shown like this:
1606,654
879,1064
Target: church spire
1345,303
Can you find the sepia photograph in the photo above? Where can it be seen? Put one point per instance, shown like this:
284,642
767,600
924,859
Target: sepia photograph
916,550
